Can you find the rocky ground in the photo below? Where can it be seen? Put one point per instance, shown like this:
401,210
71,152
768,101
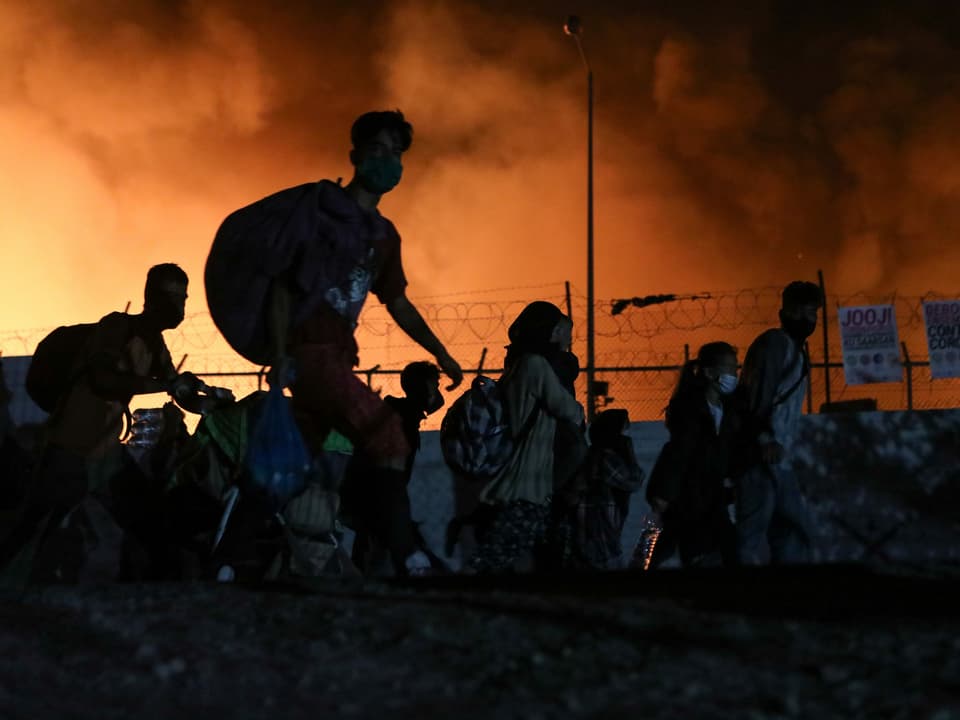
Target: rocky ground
827,643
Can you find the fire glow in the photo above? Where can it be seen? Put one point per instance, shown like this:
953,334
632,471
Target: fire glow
127,132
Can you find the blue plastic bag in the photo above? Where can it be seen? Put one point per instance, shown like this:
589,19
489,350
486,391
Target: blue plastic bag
277,457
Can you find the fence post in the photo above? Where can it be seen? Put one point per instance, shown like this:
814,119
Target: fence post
909,365
686,353
369,373
826,339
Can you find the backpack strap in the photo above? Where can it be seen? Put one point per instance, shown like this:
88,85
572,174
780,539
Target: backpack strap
804,372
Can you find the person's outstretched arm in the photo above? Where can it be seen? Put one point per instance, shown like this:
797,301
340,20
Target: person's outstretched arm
412,323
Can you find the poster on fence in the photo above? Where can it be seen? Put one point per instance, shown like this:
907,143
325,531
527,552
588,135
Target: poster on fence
942,319
871,346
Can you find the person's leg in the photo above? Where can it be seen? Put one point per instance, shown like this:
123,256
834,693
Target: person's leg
59,483
755,504
392,517
379,508
727,539
791,538
328,390
137,507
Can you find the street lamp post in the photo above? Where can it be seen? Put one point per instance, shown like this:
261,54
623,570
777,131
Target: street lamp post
574,29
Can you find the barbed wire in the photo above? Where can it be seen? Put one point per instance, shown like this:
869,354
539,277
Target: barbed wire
660,335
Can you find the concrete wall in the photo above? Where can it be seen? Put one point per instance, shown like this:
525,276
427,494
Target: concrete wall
883,487
22,409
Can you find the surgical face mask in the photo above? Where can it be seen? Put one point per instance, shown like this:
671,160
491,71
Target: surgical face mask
380,174
727,383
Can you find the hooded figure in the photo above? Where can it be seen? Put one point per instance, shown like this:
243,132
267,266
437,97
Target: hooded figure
538,330
517,500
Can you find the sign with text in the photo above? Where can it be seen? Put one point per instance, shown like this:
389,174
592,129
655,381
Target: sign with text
942,318
871,346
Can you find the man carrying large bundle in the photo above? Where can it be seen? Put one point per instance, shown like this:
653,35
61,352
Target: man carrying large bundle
287,278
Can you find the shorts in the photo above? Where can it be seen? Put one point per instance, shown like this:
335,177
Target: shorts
328,395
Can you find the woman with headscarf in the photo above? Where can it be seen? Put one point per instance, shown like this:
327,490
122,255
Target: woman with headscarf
537,391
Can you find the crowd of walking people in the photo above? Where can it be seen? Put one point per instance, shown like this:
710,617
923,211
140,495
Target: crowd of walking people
285,281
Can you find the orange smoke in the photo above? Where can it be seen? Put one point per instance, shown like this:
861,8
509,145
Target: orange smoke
129,131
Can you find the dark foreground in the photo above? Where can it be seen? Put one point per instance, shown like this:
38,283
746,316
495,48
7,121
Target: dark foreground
821,643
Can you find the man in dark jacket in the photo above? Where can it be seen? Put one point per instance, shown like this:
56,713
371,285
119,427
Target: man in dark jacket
772,520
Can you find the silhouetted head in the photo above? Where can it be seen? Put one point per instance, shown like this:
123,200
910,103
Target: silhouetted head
540,323
379,140
711,375
541,328
607,426
801,303
165,295
421,384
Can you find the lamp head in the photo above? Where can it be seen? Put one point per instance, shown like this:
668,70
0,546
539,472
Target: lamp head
573,26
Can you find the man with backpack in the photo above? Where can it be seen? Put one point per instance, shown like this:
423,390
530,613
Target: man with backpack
288,276
86,376
772,519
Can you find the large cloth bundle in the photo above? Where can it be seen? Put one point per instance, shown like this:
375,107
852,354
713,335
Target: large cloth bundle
313,238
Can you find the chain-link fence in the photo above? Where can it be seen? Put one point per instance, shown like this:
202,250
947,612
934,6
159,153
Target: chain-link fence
641,344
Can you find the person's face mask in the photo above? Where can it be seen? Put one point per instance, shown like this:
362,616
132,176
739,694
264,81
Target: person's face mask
799,327
727,383
167,304
380,174
429,399
434,403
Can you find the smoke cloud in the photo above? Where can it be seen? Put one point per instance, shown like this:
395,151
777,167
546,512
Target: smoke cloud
736,151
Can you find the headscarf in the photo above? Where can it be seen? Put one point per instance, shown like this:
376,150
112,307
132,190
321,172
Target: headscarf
534,326
532,333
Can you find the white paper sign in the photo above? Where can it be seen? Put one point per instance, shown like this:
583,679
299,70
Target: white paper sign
871,346
943,337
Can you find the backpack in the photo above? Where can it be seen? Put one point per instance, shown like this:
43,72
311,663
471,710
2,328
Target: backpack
57,363
475,437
